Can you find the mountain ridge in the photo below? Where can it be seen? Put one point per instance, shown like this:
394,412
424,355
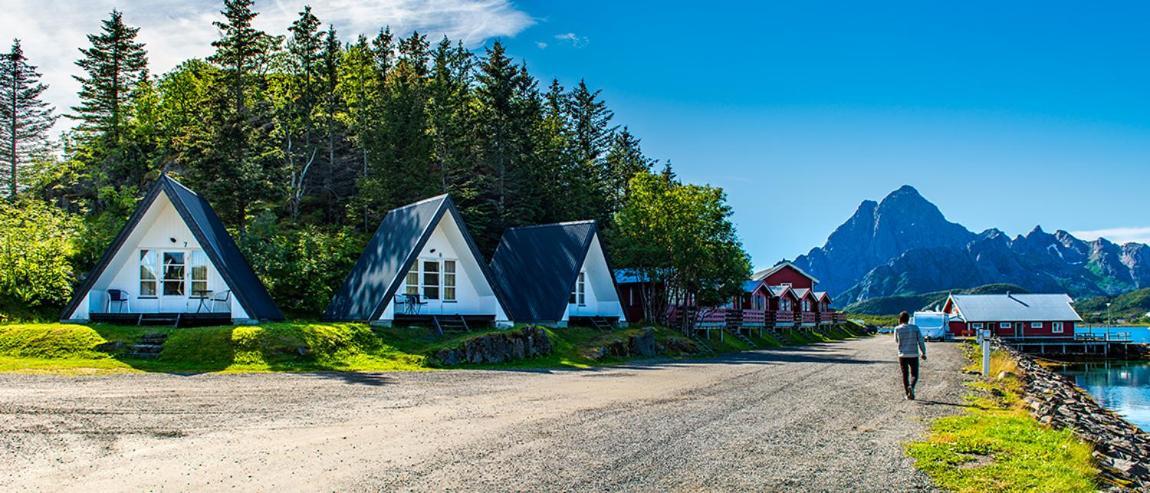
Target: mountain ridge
904,245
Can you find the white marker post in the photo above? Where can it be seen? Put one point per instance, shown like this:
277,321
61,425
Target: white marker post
984,338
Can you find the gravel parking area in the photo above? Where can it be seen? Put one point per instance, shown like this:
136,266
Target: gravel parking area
827,417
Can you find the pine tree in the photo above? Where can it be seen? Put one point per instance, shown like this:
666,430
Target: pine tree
624,160
497,80
449,94
361,88
591,130
338,179
236,165
114,65
25,118
296,105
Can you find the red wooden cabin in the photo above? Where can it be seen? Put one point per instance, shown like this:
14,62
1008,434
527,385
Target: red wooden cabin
1013,315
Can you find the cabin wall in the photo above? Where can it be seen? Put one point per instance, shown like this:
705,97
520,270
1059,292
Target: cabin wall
601,298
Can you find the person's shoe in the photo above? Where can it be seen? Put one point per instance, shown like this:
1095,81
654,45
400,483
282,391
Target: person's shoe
906,395
910,395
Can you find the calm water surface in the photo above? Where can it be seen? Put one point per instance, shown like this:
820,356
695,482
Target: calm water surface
1123,387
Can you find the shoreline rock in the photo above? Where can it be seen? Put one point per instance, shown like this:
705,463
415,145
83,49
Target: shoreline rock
1121,450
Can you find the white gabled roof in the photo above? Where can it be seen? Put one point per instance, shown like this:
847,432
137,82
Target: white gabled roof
760,275
1015,307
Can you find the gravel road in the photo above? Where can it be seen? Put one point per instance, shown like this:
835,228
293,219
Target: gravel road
827,417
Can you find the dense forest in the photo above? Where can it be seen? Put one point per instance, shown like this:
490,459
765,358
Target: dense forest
303,142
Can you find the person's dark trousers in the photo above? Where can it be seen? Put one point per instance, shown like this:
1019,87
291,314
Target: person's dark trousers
909,368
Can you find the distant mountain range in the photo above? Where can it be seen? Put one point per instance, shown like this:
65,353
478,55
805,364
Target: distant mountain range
905,246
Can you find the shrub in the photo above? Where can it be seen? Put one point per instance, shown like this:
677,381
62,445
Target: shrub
301,267
37,243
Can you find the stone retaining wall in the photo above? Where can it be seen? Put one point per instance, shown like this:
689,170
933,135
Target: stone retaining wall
500,347
1121,450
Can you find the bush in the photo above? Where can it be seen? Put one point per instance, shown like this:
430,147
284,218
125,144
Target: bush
37,243
302,267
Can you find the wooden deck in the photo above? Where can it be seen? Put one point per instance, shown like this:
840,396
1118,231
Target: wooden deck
170,319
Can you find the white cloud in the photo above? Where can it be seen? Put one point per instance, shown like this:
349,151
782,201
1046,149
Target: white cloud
574,39
1116,235
174,30
542,45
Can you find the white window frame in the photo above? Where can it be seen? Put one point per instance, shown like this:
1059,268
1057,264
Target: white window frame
579,293
414,281
1036,325
1005,325
1056,327
164,280
191,271
453,285
976,326
151,254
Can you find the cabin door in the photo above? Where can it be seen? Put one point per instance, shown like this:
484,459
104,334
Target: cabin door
1018,329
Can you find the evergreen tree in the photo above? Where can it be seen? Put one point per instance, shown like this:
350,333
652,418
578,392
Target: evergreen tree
624,160
360,87
449,95
114,65
24,117
497,81
296,98
237,166
338,178
406,172
591,132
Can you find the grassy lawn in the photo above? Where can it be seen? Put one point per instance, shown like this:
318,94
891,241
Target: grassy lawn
306,346
997,446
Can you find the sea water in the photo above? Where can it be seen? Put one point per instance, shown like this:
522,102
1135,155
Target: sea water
1123,387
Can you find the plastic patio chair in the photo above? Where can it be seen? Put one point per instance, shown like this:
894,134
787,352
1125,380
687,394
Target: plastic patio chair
118,296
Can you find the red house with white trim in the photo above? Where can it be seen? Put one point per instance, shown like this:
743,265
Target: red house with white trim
1012,315
787,294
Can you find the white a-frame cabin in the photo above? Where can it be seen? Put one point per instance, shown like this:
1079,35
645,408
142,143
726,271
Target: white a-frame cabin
557,274
421,268
172,263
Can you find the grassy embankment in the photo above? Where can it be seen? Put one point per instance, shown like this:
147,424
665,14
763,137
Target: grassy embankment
995,445
65,348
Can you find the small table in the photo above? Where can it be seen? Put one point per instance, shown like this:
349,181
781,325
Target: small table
204,297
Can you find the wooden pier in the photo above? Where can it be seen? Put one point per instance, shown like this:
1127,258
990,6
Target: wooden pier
1116,344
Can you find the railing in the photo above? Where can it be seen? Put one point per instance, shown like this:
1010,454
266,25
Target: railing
784,317
1107,336
754,318
808,318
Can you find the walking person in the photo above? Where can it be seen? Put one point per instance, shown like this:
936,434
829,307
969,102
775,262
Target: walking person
911,346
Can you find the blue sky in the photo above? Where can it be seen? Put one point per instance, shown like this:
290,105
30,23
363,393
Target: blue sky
1005,114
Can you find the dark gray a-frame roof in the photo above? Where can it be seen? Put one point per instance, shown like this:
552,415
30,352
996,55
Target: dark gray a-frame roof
213,238
536,267
390,254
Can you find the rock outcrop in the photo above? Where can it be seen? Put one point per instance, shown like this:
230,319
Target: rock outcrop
1121,450
500,347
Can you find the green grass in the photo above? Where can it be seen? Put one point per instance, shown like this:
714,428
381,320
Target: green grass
305,346
995,445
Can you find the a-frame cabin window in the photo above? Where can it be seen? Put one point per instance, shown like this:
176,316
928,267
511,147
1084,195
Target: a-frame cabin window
448,280
148,271
431,278
579,294
199,268
174,273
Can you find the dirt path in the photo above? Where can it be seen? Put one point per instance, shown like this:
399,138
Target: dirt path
824,417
